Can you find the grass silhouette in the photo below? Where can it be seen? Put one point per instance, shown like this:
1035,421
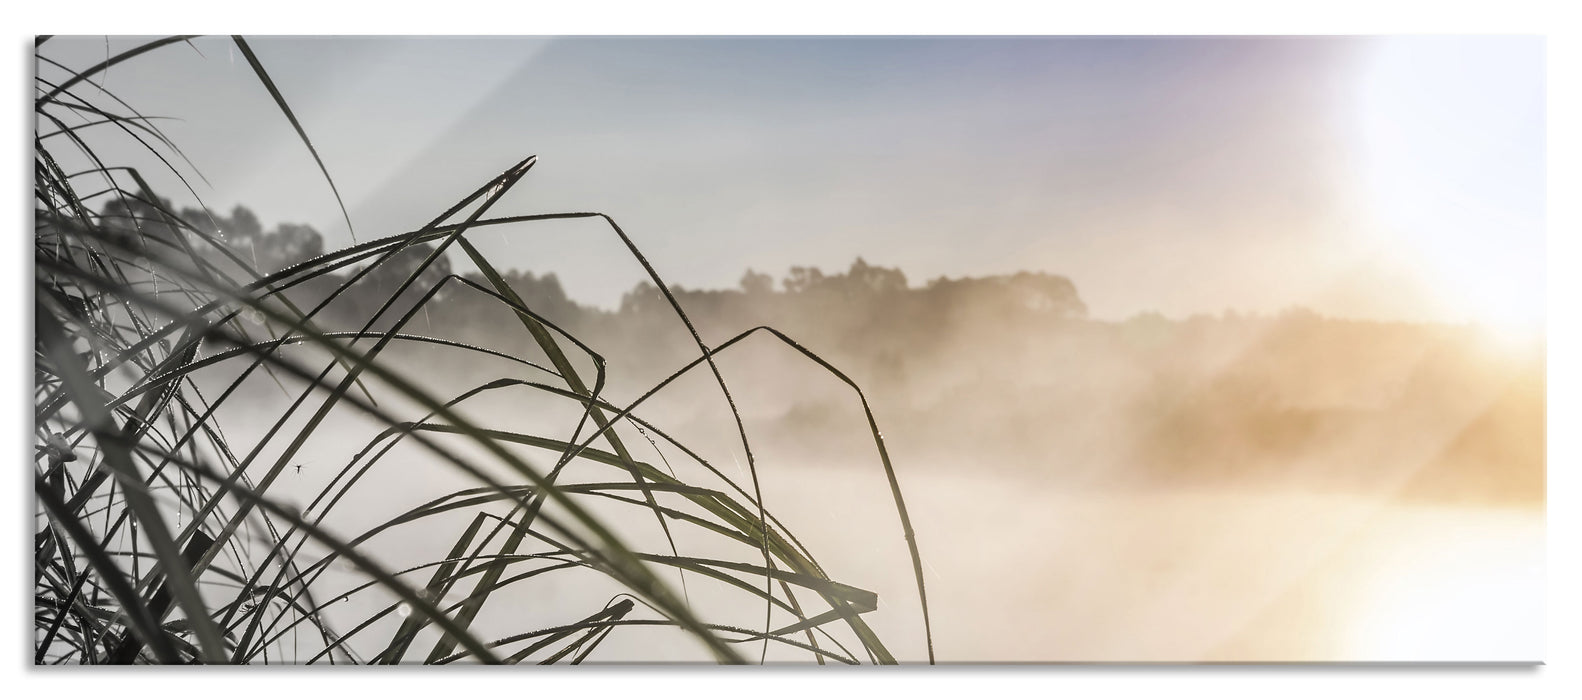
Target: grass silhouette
159,540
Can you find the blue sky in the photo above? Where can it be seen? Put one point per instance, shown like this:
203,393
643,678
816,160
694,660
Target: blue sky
1370,177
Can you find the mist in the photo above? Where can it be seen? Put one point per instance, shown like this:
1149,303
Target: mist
1116,349
1229,487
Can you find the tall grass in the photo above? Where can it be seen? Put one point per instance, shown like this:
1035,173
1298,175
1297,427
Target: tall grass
159,540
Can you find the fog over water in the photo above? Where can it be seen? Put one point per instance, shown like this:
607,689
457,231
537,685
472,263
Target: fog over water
1182,349
1285,488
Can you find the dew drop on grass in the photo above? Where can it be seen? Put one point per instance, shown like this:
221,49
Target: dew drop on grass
403,610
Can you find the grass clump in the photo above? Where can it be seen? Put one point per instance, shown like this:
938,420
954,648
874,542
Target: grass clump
159,539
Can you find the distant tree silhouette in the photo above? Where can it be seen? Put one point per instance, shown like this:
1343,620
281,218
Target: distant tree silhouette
878,280
642,299
757,283
395,271
1010,360
241,233
371,292
288,245
802,279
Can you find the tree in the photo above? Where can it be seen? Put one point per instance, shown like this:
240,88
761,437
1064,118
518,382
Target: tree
757,283
291,244
375,289
643,298
405,263
878,280
802,279
1045,293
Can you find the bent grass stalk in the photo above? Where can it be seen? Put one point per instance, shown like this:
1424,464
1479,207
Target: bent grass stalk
142,499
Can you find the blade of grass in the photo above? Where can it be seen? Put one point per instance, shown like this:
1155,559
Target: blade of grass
117,459
280,101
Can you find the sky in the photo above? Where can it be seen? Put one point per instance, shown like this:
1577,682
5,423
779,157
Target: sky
1370,177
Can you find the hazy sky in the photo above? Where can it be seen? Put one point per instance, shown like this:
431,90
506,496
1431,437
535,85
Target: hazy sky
1378,177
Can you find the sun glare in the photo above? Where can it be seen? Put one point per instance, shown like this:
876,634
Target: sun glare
1452,143
1472,592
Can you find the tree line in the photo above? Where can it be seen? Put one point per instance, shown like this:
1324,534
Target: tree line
1008,372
